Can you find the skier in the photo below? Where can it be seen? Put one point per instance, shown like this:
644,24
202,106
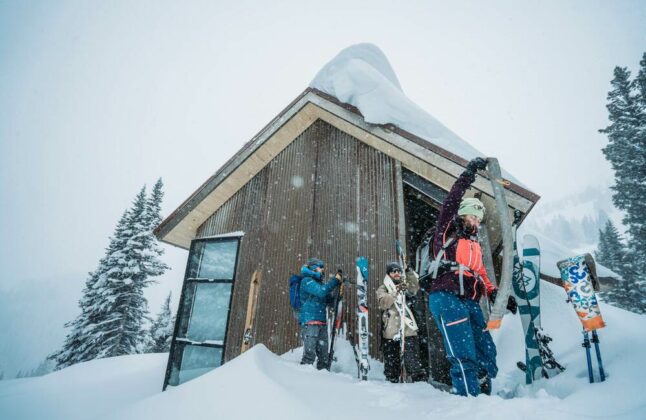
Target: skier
460,281
315,297
392,324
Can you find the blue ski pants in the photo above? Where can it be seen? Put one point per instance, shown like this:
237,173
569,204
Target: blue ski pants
469,348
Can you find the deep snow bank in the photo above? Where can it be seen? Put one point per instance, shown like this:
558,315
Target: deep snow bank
262,385
83,391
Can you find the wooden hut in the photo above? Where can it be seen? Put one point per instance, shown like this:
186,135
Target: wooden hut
316,181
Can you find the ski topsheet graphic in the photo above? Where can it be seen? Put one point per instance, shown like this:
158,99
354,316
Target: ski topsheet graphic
579,286
362,317
579,280
526,284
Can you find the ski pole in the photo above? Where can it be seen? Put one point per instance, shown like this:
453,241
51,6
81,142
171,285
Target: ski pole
336,319
595,340
586,344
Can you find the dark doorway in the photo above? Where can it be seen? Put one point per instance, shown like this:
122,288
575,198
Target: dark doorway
422,203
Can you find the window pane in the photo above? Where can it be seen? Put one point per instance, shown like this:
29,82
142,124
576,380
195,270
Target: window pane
196,361
218,260
208,319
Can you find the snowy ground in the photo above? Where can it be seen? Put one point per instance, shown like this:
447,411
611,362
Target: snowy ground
261,385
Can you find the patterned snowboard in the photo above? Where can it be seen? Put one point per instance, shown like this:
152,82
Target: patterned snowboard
579,282
526,288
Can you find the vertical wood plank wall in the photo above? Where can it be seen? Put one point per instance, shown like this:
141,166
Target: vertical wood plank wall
326,195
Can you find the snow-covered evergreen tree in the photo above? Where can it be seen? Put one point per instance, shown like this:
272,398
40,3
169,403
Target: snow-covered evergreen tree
79,343
611,251
113,307
626,152
161,330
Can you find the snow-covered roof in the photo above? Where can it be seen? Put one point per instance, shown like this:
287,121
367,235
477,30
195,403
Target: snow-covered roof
357,92
361,76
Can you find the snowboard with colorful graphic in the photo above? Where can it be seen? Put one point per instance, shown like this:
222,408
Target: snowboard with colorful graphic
526,288
579,284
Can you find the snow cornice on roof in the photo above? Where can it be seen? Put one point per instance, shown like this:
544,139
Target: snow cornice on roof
417,154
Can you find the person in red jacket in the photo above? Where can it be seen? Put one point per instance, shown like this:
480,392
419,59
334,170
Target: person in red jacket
460,281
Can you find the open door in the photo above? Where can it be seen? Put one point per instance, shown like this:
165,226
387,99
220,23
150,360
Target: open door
422,203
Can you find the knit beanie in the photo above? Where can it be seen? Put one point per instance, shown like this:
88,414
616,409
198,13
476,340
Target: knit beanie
472,206
315,262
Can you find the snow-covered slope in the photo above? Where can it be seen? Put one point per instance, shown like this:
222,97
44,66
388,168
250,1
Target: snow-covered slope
261,385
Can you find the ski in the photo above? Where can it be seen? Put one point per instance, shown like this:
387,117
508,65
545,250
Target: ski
252,303
337,320
362,317
404,312
580,282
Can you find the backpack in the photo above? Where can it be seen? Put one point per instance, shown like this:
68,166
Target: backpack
295,293
429,266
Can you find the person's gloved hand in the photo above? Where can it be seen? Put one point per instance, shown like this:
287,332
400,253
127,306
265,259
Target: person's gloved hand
512,306
401,286
476,164
493,295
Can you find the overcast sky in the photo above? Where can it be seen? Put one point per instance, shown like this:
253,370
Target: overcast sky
98,98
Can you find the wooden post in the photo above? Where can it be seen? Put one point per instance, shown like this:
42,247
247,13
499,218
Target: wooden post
251,311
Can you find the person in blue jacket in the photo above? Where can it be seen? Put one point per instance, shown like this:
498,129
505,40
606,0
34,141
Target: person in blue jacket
316,295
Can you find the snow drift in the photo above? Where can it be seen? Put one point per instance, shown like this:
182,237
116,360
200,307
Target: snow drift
262,385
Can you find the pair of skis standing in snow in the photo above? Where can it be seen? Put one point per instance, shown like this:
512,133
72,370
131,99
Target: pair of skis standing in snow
310,296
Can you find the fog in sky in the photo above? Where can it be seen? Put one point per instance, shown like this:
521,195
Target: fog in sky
100,98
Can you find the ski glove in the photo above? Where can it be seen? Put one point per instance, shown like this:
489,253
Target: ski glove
512,305
476,164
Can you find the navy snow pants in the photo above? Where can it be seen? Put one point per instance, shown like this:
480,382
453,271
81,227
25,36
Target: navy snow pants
469,348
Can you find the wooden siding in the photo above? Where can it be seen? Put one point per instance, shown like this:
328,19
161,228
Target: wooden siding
326,195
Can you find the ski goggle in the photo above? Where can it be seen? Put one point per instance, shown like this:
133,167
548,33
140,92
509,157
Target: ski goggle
395,270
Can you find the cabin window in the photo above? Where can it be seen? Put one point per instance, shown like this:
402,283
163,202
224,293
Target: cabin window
203,314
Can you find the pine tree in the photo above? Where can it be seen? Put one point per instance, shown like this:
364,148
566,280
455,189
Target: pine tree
626,152
1,375
161,330
122,287
114,309
611,250
79,343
